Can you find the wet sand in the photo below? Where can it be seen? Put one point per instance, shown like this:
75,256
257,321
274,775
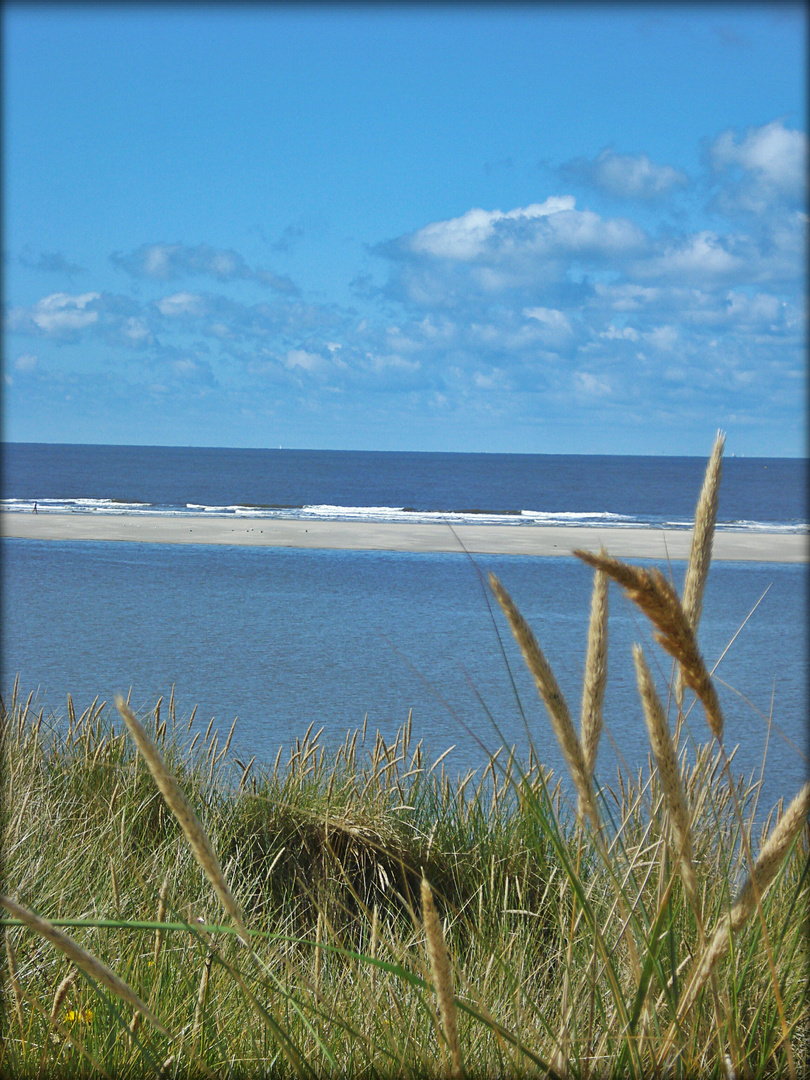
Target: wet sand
373,536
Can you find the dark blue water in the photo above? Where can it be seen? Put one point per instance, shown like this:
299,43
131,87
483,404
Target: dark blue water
283,637
513,488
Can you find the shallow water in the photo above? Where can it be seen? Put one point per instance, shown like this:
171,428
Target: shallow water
282,637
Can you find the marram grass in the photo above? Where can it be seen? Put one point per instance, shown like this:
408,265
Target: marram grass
172,910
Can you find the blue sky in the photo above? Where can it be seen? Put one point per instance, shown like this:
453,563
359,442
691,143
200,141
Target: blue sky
530,229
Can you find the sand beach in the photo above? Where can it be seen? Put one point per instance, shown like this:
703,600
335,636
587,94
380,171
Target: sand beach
538,540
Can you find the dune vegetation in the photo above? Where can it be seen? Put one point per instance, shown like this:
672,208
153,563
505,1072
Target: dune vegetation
172,910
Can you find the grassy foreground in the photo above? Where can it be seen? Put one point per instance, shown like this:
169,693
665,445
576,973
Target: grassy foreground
170,910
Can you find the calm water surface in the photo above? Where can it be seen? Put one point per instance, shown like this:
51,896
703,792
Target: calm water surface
282,637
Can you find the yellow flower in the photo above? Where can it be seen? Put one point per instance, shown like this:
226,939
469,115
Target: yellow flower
75,1016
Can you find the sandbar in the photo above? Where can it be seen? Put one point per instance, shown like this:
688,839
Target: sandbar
542,540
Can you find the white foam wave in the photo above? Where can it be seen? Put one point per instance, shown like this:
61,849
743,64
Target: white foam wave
333,512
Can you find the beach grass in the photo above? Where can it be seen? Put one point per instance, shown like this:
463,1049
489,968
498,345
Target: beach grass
173,910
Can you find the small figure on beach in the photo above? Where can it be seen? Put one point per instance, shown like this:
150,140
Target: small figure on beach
35,507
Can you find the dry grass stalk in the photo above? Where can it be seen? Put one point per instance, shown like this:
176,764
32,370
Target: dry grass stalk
88,963
316,975
184,812
593,690
15,982
765,869
375,937
552,698
651,592
116,895
700,555
61,994
202,990
134,1026
771,856
442,978
161,917
224,750
667,759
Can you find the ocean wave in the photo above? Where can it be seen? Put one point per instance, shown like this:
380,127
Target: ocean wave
402,514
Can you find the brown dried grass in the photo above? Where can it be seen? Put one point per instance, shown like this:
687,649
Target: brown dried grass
595,682
656,597
756,884
553,699
670,774
442,979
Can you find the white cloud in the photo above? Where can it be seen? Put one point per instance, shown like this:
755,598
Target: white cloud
300,358
26,362
466,237
626,333
157,260
584,231
662,338
625,175
487,256
627,297
774,153
390,362
224,264
185,367
60,313
182,303
636,176
136,330
761,307
168,262
590,385
703,255
492,381
554,329
550,317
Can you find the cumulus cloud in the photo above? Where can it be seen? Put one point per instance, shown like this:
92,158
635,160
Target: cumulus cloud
58,315
590,385
624,333
170,262
64,317
554,326
768,163
553,227
702,255
494,254
300,358
26,362
137,330
625,175
182,303
468,236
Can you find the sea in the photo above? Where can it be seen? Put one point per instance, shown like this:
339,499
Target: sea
282,638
